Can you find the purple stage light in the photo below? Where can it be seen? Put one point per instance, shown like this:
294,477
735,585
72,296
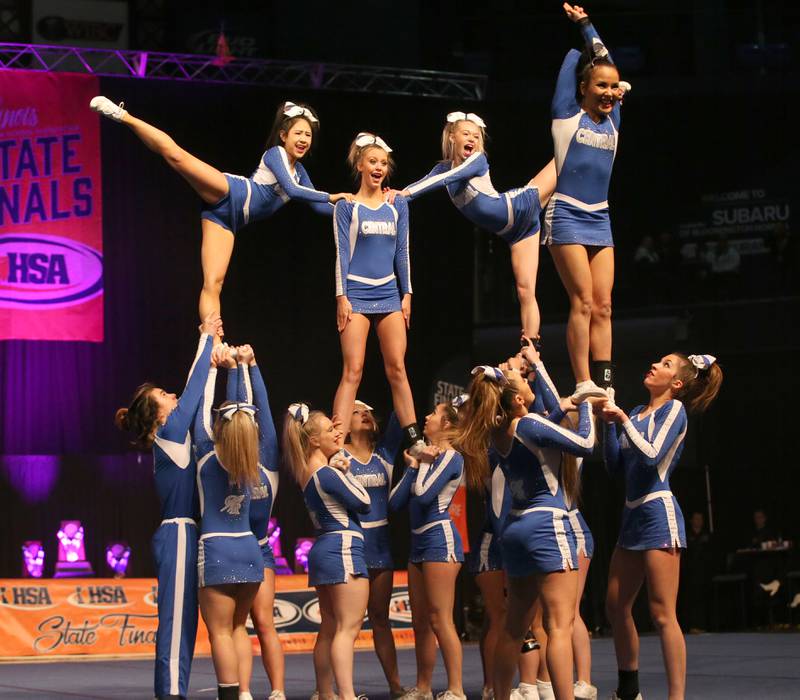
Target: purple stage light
274,535
32,476
302,547
71,551
32,559
117,556
70,541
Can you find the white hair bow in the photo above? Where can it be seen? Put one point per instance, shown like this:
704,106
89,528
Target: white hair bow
702,362
290,109
458,401
299,411
495,374
466,116
365,139
361,404
227,412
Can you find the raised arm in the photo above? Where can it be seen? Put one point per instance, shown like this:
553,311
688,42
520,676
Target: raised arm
402,259
277,161
443,174
268,438
390,442
323,208
543,386
434,477
179,421
203,437
670,429
536,431
565,104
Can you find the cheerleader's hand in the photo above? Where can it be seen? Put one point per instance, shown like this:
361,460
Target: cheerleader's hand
339,461
405,307
575,12
246,355
611,413
429,454
411,462
344,310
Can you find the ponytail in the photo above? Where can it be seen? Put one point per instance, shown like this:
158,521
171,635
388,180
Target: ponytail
700,385
487,409
140,417
297,443
236,445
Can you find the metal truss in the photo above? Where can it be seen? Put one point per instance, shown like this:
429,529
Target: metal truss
154,65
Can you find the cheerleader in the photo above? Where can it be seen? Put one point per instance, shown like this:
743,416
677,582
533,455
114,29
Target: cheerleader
538,550
577,227
233,201
162,421
336,564
511,215
229,560
372,463
246,385
645,448
428,487
373,281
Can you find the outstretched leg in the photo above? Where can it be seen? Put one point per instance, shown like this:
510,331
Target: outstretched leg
380,595
601,262
581,644
215,256
525,265
492,585
440,589
205,179
545,182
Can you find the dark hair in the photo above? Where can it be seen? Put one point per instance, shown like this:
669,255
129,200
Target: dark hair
140,418
282,123
700,387
586,66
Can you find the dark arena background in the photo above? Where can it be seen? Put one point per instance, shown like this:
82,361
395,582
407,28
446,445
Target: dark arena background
707,158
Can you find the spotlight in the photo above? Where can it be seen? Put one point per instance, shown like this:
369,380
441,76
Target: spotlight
71,551
117,556
32,559
302,547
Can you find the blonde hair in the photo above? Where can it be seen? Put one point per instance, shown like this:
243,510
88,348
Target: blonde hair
297,446
356,153
447,142
570,476
488,408
700,387
236,445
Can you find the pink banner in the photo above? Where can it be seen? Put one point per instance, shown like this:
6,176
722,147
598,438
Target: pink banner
51,217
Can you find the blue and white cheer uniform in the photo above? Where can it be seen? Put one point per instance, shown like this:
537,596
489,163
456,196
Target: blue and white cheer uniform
175,541
537,537
577,213
246,385
428,492
228,551
335,500
375,475
646,453
373,268
512,215
259,196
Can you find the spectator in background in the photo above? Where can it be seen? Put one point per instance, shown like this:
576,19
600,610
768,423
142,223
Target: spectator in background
696,260
725,263
762,531
669,259
698,568
786,256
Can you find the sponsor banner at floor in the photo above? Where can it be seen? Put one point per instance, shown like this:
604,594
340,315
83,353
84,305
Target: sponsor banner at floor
66,617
